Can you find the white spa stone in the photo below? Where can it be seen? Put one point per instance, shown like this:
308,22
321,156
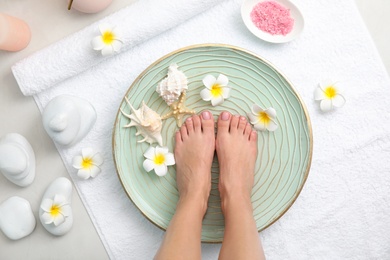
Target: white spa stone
16,218
17,159
60,186
68,119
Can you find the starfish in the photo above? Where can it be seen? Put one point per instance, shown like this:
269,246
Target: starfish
179,110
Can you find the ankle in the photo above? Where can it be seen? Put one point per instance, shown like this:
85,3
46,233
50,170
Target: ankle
236,201
196,201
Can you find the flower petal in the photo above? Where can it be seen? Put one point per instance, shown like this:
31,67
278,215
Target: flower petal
97,159
205,94
84,174
271,112
107,50
95,170
252,118
59,200
97,43
58,220
87,153
164,150
77,162
118,33
338,101
226,92
222,80
256,109
169,159
46,205
326,83
259,126
47,218
161,170
66,210
104,27
319,94
150,153
272,126
117,45
217,101
209,81
326,105
148,165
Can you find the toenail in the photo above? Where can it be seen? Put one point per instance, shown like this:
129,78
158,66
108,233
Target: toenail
243,118
189,119
225,116
206,115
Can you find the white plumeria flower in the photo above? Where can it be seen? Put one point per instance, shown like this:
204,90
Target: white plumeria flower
55,211
329,95
88,163
217,90
263,119
158,159
109,41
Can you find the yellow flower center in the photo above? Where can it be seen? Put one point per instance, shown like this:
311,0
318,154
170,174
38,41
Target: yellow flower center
87,163
108,37
330,92
55,210
216,90
264,117
159,159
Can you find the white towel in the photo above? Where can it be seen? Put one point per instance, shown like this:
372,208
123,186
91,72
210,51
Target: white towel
139,22
343,211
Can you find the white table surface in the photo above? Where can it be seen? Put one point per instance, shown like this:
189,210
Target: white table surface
50,21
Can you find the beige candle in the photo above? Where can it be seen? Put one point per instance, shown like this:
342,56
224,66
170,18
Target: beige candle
15,34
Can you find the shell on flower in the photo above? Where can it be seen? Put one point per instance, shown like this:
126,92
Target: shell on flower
173,85
147,121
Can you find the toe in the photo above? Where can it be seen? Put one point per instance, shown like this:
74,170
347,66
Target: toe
242,124
190,125
253,136
234,123
183,132
197,124
224,122
248,130
178,139
207,121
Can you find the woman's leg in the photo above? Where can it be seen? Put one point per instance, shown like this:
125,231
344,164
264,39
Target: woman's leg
236,146
194,151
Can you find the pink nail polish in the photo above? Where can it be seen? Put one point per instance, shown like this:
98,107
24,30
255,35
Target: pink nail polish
206,115
225,116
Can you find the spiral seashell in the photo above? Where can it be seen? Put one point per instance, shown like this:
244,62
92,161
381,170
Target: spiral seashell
173,85
147,122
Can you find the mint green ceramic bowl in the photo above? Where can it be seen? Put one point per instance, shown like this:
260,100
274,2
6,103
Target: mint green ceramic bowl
284,155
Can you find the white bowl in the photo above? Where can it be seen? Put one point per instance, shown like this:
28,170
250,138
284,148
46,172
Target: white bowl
247,8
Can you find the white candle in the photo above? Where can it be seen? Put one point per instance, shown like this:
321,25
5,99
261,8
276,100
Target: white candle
15,34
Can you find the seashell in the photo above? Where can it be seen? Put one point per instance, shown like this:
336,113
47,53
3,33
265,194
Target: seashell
17,159
68,119
147,122
173,85
16,218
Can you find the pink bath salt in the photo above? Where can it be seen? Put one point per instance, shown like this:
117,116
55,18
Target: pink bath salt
272,17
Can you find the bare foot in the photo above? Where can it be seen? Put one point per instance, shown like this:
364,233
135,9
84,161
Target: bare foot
236,146
194,151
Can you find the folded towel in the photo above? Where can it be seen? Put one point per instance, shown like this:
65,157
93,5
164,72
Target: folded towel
139,22
343,210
